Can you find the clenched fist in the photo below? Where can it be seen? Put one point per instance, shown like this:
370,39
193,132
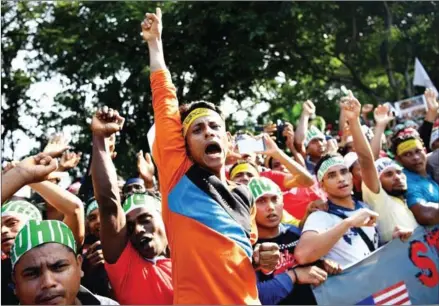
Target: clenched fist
106,122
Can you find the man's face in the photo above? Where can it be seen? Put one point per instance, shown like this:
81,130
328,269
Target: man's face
243,177
337,182
277,166
356,171
134,188
147,231
269,211
11,225
394,181
414,160
48,275
316,147
94,223
207,142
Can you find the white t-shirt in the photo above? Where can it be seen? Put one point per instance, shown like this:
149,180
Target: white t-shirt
392,212
351,248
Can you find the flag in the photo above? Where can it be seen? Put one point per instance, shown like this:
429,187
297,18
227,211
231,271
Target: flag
151,136
421,77
393,295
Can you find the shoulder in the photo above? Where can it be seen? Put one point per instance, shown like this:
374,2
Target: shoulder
289,228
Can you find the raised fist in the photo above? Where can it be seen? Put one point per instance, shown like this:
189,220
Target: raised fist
106,122
152,26
351,107
36,168
308,108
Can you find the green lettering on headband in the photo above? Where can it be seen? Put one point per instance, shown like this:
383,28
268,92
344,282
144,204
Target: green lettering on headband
260,186
329,163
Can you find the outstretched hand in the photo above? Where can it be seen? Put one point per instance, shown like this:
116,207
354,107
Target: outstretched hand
383,115
152,26
36,168
351,107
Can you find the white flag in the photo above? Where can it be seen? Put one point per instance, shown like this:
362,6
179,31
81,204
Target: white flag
421,77
151,136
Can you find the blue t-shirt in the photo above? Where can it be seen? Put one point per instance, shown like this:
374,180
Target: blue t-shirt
421,189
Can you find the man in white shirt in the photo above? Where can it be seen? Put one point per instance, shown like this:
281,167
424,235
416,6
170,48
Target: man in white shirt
346,233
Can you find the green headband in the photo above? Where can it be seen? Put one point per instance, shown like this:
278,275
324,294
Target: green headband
138,200
313,133
92,206
36,233
327,164
21,209
260,186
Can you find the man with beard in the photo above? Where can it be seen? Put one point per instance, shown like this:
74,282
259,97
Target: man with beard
209,221
95,276
133,235
422,192
289,283
384,186
46,268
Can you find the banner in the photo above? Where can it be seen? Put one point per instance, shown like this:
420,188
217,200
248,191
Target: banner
413,107
395,274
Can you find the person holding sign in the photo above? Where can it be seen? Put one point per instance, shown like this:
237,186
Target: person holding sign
209,221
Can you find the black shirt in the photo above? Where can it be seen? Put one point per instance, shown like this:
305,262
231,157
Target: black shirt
8,296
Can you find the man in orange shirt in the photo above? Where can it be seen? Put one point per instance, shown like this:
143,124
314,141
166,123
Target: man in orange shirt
209,221
132,236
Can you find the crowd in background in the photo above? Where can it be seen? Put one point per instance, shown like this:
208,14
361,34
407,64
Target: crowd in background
206,222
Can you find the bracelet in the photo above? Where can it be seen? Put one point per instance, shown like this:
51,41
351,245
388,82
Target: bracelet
295,275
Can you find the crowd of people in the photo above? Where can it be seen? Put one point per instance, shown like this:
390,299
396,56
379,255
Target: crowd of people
204,223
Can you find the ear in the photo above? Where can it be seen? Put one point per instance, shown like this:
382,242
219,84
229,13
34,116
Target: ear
79,260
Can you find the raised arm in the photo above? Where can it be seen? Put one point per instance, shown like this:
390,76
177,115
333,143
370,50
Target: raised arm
432,112
382,117
67,203
352,109
169,151
30,170
307,111
113,222
299,176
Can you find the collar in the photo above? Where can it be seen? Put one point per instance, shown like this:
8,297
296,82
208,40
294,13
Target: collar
334,208
86,297
310,161
155,259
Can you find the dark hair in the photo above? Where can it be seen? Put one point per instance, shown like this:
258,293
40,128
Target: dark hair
324,158
185,109
240,162
402,136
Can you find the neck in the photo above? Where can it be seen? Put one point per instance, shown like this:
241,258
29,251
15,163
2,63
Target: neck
357,185
343,202
268,232
221,174
314,159
77,302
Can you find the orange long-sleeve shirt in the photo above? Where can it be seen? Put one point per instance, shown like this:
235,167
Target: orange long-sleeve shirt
211,247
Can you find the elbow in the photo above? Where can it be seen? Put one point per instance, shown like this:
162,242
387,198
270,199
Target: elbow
427,219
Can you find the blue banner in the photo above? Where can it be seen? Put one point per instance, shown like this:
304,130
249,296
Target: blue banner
395,274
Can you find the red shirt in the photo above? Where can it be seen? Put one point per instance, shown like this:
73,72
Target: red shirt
296,199
137,281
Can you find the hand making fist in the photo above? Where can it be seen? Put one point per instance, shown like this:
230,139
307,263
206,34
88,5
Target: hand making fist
106,122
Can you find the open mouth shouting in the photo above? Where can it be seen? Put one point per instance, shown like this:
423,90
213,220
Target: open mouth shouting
213,150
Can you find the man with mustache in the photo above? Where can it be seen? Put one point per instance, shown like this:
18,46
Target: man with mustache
46,268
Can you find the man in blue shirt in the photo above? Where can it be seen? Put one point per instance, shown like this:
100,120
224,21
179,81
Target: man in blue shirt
422,191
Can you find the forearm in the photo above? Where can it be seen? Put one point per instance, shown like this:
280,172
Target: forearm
156,56
12,181
426,214
425,132
315,246
149,181
297,157
272,291
299,174
104,176
302,127
375,144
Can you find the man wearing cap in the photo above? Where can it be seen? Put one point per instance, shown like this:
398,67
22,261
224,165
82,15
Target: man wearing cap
289,283
46,268
132,235
133,185
422,191
95,276
384,185
15,214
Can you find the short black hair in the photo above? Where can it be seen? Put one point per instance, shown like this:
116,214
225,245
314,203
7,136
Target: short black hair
240,162
402,136
185,109
324,158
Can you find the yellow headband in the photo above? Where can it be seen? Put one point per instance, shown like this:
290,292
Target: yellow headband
407,146
194,115
243,168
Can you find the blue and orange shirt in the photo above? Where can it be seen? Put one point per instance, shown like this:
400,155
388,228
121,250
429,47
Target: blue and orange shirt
210,226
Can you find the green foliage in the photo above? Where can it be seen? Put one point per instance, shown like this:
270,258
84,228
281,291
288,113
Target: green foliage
214,49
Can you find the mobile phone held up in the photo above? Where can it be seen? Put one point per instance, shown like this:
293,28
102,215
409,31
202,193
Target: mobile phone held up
250,145
280,138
